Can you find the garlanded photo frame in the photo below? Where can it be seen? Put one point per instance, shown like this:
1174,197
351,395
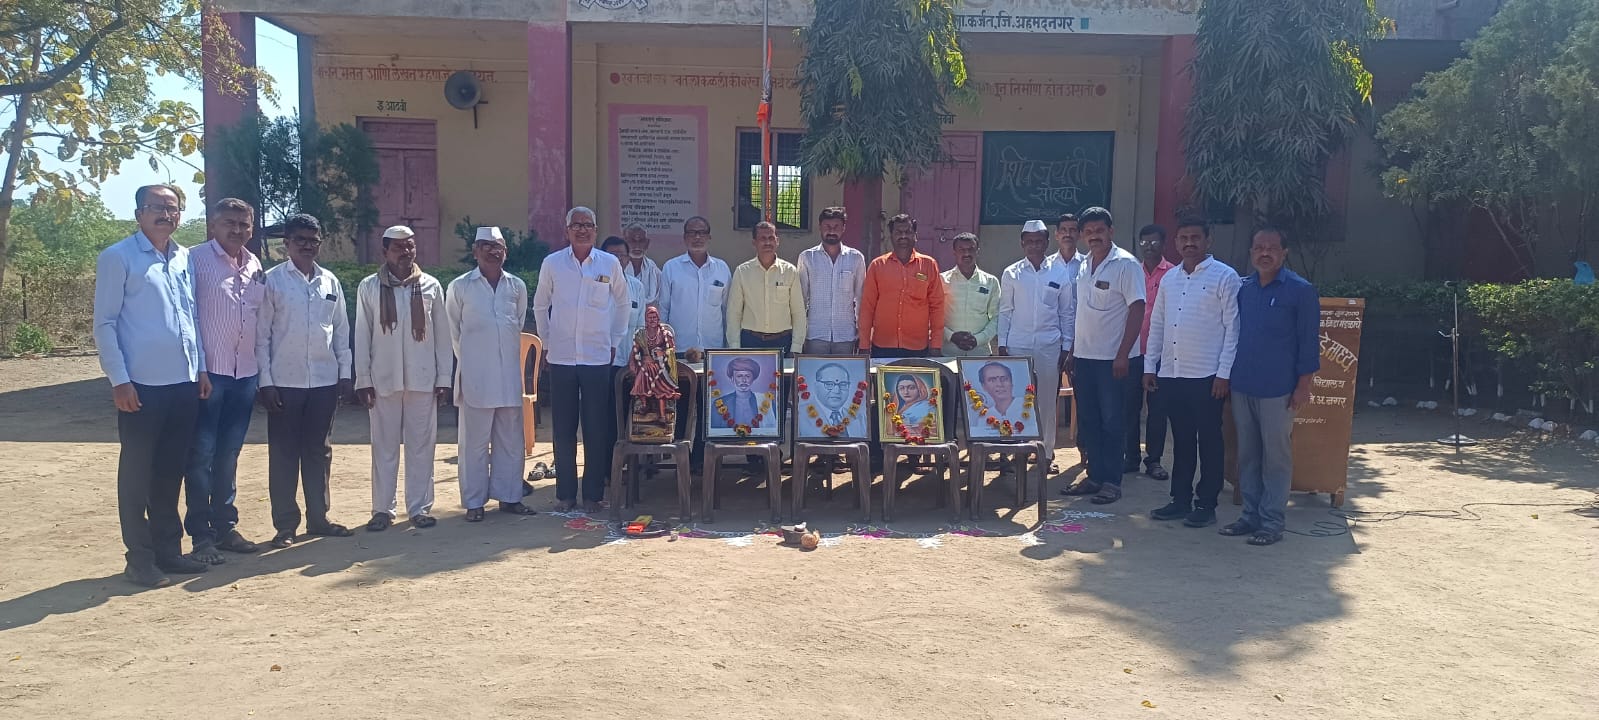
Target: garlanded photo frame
909,405
1001,398
832,398
742,393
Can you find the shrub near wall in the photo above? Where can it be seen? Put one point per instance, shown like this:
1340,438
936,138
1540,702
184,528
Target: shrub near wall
351,274
1554,325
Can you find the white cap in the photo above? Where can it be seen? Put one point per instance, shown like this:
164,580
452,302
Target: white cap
1035,226
398,232
490,233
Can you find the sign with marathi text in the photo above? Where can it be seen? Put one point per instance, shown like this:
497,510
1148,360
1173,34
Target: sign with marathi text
1323,428
1033,175
658,159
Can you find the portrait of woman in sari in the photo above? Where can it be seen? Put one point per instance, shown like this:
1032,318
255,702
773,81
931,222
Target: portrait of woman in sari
911,392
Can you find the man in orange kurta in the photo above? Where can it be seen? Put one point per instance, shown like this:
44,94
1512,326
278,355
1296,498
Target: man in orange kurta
902,303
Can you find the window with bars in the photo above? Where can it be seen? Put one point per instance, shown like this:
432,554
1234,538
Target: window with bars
792,188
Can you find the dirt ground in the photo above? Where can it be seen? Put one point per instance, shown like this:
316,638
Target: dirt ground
1491,615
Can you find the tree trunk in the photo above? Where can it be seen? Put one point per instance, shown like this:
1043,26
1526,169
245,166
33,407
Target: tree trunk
8,182
871,214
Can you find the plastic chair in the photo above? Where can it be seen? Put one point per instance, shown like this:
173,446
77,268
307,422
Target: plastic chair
859,453
534,347
1015,452
624,490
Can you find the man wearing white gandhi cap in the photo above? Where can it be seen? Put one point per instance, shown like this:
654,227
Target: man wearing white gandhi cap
486,307
1035,301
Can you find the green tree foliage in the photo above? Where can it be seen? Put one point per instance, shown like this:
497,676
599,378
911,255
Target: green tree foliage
1279,87
1510,128
1552,323
74,82
524,252
328,173
874,81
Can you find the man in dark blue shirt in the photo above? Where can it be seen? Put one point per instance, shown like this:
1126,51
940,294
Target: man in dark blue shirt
1279,322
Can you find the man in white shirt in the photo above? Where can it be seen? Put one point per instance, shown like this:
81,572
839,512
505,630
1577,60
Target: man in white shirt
971,303
636,292
1193,339
1071,256
402,375
694,288
302,350
486,307
1103,339
1035,300
581,309
831,275
636,264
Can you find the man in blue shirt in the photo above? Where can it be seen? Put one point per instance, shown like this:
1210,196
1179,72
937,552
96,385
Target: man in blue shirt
1279,324
144,327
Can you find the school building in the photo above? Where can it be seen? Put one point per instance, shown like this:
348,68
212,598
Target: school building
645,110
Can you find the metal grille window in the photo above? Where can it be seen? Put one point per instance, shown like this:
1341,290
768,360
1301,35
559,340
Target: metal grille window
792,188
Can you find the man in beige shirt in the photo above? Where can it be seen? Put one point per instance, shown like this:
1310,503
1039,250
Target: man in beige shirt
971,304
766,308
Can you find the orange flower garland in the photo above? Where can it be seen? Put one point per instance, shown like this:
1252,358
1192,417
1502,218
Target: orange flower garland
1006,428
828,429
742,429
924,428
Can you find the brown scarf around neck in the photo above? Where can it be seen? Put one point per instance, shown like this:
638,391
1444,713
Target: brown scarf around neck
389,315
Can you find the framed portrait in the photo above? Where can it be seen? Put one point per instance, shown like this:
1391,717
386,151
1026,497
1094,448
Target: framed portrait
909,405
742,398
832,396
1001,398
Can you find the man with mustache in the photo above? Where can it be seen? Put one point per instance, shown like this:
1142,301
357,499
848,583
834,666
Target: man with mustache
486,308
831,276
150,350
902,302
1193,339
766,308
693,296
1035,305
637,264
228,286
971,297
303,349
1152,251
402,375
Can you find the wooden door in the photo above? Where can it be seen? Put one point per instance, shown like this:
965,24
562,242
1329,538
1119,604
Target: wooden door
408,186
944,200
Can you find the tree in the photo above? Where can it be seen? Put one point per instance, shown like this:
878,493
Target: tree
1509,129
874,81
1279,87
74,82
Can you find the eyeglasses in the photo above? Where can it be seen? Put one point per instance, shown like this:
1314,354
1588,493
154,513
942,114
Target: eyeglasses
581,226
306,242
161,209
697,233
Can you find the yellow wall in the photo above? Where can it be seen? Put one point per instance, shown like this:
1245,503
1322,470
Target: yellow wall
483,172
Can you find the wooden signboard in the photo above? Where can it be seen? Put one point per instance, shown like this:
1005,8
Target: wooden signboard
1323,428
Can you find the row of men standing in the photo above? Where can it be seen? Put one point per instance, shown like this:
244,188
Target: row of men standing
192,338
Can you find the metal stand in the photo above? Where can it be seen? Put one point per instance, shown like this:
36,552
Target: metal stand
1457,440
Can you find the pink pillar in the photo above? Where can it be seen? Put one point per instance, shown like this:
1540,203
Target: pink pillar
549,130
1173,191
222,109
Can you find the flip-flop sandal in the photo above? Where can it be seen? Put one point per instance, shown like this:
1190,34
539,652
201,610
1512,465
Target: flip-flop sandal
330,530
1159,473
1263,538
539,472
474,515
379,522
283,539
423,521
1107,494
1082,487
1236,529
517,509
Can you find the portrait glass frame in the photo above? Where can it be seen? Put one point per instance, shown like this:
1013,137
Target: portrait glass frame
816,384
766,399
984,420
928,399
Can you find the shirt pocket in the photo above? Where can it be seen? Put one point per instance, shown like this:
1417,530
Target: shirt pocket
917,289
1102,299
596,295
716,295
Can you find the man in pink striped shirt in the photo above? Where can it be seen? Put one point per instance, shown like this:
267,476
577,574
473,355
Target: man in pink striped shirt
228,286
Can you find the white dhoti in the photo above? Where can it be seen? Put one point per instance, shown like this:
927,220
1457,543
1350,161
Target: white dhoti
412,419
1046,366
484,476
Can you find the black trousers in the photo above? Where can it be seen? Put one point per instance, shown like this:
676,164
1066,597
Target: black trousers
749,339
879,351
582,393
155,449
1196,430
300,452
1154,430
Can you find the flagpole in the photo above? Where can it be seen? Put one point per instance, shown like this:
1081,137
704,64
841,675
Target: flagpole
766,114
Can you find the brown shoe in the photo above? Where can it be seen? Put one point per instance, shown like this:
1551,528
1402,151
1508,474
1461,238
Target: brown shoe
235,543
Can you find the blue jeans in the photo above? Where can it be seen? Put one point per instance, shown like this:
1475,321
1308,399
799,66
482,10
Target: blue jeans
1265,458
1102,430
211,481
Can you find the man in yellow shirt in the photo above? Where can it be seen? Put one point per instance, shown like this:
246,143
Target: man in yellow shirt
766,308
971,303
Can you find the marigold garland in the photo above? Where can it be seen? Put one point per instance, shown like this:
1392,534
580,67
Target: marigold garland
741,429
897,421
1005,427
829,429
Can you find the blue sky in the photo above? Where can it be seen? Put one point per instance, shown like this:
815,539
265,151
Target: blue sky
275,53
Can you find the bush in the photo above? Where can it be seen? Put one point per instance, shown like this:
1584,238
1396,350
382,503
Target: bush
351,274
30,339
1554,324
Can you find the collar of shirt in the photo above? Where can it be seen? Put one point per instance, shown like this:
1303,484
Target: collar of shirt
1284,275
979,277
1163,266
820,253
144,244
